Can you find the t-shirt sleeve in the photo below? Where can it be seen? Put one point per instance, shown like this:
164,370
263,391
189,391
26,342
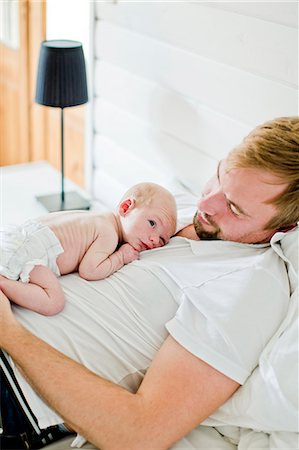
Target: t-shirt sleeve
227,321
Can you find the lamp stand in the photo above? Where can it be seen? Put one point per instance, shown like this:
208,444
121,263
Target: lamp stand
64,201
62,157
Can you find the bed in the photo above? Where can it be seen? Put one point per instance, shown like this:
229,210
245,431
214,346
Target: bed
173,87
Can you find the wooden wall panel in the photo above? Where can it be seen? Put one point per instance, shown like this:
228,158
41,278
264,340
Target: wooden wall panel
216,34
281,12
166,110
164,154
178,84
246,97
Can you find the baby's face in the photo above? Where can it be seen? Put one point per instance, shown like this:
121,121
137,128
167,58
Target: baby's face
149,227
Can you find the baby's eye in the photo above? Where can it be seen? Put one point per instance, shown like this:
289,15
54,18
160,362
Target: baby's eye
152,223
162,241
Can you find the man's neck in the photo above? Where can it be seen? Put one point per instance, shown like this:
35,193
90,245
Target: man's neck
188,232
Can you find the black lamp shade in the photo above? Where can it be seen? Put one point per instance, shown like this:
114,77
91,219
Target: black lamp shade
61,76
61,82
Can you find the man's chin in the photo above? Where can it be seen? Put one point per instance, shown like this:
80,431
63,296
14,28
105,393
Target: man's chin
203,234
206,236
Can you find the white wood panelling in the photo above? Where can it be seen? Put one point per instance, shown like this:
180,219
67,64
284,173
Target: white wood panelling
176,85
113,155
215,34
164,154
167,110
107,188
239,94
281,12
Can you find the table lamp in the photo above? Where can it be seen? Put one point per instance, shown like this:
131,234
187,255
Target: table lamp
61,83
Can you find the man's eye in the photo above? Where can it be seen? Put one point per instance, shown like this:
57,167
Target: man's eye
234,210
152,223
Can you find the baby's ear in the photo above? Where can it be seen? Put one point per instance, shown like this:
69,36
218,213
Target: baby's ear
126,206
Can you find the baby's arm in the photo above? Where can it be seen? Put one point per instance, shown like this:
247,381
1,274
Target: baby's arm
101,260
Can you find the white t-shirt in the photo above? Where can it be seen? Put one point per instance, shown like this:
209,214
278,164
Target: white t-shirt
231,302
221,300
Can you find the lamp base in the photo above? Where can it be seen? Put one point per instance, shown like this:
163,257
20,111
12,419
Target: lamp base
72,200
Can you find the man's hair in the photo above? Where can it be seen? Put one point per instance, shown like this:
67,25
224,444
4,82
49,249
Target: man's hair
274,147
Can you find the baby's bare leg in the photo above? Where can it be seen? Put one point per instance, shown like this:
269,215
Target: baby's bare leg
42,294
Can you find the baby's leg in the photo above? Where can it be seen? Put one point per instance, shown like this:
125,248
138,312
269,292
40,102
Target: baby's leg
42,294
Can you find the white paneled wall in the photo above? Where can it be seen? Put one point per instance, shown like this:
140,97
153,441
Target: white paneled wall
177,84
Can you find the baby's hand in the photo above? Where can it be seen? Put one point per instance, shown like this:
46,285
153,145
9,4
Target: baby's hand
128,253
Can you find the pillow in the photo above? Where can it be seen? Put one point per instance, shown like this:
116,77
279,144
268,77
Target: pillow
289,246
186,202
268,401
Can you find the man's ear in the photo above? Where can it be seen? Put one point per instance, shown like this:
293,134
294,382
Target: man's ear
126,206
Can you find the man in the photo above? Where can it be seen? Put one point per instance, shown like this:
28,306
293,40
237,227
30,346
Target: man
232,296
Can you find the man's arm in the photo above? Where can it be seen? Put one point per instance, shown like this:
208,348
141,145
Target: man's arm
178,392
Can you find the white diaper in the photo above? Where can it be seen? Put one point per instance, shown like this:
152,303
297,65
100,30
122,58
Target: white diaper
25,246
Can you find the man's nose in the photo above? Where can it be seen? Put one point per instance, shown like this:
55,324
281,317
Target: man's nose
213,203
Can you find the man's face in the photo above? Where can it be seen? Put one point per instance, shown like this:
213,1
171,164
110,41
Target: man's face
233,205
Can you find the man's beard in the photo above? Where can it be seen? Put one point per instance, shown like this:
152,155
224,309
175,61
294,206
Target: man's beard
203,234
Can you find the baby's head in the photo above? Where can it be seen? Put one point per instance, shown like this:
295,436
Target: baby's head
147,214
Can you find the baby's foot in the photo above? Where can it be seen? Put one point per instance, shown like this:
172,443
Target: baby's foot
2,278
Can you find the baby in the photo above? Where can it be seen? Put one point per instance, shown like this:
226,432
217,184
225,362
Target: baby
94,244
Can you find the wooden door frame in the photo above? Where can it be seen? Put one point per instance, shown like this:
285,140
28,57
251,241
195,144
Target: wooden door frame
28,131
20,121
37,115
24,79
